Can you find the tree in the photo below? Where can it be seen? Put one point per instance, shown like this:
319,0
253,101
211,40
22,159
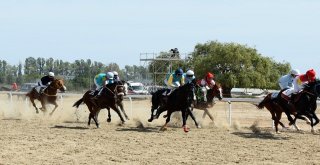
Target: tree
237,65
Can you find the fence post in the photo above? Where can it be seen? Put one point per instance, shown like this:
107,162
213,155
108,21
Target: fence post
230,113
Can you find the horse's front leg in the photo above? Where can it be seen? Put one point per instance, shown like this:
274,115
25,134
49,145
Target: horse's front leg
120,104
152,114
184,120
114,107
109,115
55,107
193,118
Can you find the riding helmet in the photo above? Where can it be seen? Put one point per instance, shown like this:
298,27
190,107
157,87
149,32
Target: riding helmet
179,71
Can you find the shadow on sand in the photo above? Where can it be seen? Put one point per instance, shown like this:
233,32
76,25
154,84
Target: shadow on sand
260,135
69,127
139,129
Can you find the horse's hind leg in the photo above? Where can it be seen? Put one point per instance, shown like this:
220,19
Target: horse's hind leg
164,127
34,105
95,118
90,116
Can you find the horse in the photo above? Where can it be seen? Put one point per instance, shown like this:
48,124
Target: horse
275,109
305,103
48,96
179,100
120,84
215,91
107,99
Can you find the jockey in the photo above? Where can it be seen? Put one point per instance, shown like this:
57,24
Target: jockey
116,76
189,76
206,84
103,79
174,80
45,82
299,82
286,81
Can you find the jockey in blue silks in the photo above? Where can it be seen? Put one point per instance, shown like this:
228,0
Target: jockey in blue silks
174,80
103,79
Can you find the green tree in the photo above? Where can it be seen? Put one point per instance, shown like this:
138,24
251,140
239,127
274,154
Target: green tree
237,65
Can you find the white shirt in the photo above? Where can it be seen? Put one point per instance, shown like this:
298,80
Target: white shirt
286,81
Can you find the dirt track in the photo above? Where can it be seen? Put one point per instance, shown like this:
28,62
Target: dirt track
29,138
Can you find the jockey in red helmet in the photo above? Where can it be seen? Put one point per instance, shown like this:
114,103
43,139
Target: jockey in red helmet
206,84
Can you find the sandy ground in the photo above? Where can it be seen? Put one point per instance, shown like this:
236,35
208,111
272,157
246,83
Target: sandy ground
65,138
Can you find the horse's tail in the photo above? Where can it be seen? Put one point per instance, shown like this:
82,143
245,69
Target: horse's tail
76,104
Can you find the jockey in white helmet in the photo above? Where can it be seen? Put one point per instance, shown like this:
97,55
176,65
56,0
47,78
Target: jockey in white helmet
286,81
45,81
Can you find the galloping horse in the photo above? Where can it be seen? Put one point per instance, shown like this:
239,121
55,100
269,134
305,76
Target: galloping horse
179,100
305,103
120,91
107,99
48,96
275,109
215,91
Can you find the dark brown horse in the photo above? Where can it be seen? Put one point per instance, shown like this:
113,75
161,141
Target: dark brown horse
107,99
48,96
275,110
215,91
120,91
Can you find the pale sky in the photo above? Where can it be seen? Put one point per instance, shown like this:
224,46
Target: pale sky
118,31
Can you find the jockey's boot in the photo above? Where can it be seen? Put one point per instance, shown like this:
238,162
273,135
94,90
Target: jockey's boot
98,95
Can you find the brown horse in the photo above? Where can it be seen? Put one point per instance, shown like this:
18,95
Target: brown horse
275,110
48,96
107,99
215,91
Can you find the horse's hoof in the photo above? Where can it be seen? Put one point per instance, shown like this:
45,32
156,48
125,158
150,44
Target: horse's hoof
37,111
186,130
278,132
163,129
150,120
198,126
108,120
98,126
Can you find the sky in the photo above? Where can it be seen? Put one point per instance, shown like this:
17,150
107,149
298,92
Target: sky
118,31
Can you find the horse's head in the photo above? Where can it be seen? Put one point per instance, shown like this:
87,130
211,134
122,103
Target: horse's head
313,87
216,91
58,84
117,88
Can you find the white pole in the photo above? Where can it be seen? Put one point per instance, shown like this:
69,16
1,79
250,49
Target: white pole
10,94
130,107
272,124
230,117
